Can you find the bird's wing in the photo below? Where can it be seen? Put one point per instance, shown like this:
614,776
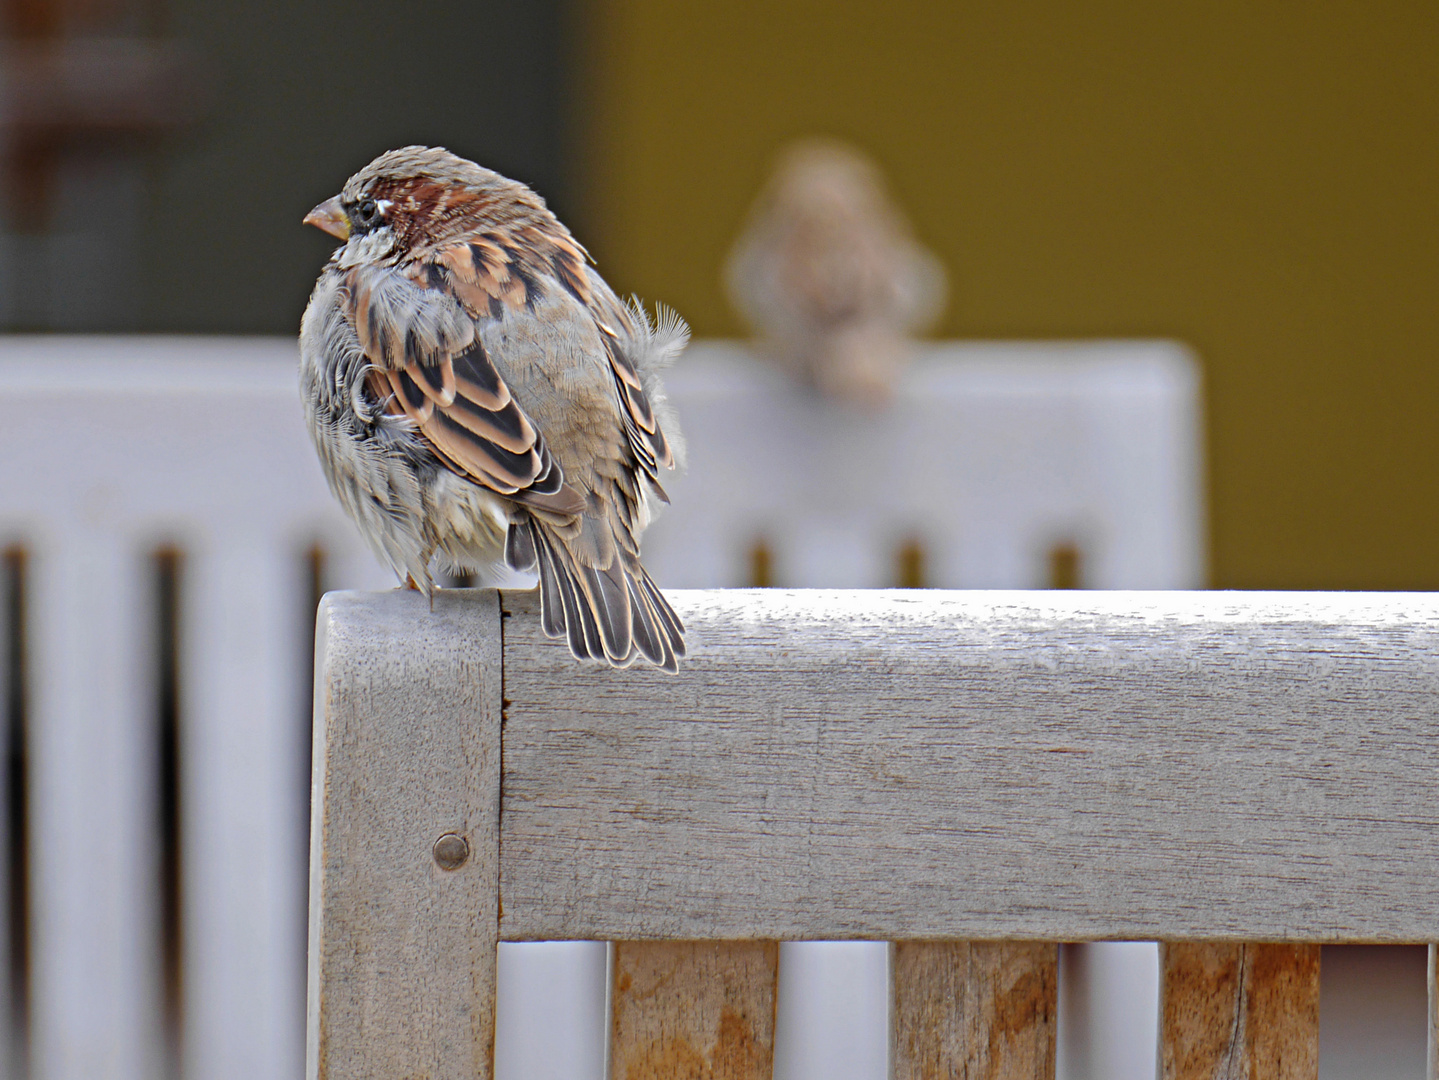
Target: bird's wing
532,282
647,438
498,274
430,366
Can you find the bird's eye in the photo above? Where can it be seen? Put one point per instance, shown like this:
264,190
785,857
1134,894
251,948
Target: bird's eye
367,212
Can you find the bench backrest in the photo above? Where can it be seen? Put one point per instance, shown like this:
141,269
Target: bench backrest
1212,770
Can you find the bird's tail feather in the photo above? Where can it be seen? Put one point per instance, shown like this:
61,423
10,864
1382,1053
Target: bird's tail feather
610,614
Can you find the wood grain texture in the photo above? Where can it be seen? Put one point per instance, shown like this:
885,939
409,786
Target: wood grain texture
982,765
407,750
1235,1011
974,1010
692,1010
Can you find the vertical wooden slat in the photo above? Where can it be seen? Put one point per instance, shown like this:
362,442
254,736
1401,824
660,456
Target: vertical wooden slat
977,1010
1239,1011
693,1010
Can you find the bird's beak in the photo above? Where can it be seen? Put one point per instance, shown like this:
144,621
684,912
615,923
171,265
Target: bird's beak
330,217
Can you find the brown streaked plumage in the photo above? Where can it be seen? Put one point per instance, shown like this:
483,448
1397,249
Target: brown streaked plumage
477,393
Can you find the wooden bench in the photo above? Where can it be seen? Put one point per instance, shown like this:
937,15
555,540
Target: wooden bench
973,776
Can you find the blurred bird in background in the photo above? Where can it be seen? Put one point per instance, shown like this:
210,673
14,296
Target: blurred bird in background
830,276
478,393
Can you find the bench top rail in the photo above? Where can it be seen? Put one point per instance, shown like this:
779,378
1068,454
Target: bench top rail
925,764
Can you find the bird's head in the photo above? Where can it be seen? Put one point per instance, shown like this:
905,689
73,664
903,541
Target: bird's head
417,198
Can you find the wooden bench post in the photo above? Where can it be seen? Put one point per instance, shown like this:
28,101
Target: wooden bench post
404,870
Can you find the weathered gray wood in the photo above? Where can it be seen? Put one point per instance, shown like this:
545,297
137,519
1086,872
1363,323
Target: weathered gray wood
404,862
693,1010
974,1010
1232,1011
1063,766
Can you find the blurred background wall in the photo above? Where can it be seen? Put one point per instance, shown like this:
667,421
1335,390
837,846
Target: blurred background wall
1259,181
306,93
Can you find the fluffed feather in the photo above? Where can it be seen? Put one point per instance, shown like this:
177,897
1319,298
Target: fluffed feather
477,392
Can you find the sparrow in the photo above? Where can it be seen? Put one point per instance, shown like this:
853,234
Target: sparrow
479,397
829,274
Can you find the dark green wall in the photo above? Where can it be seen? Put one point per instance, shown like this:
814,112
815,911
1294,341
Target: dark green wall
307,93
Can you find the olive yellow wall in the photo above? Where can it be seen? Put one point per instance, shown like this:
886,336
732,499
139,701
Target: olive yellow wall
1260,180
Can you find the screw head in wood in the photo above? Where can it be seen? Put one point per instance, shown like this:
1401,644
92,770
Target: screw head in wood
451,851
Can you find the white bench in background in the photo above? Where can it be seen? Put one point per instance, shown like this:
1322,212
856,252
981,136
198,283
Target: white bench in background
112,450
990,459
